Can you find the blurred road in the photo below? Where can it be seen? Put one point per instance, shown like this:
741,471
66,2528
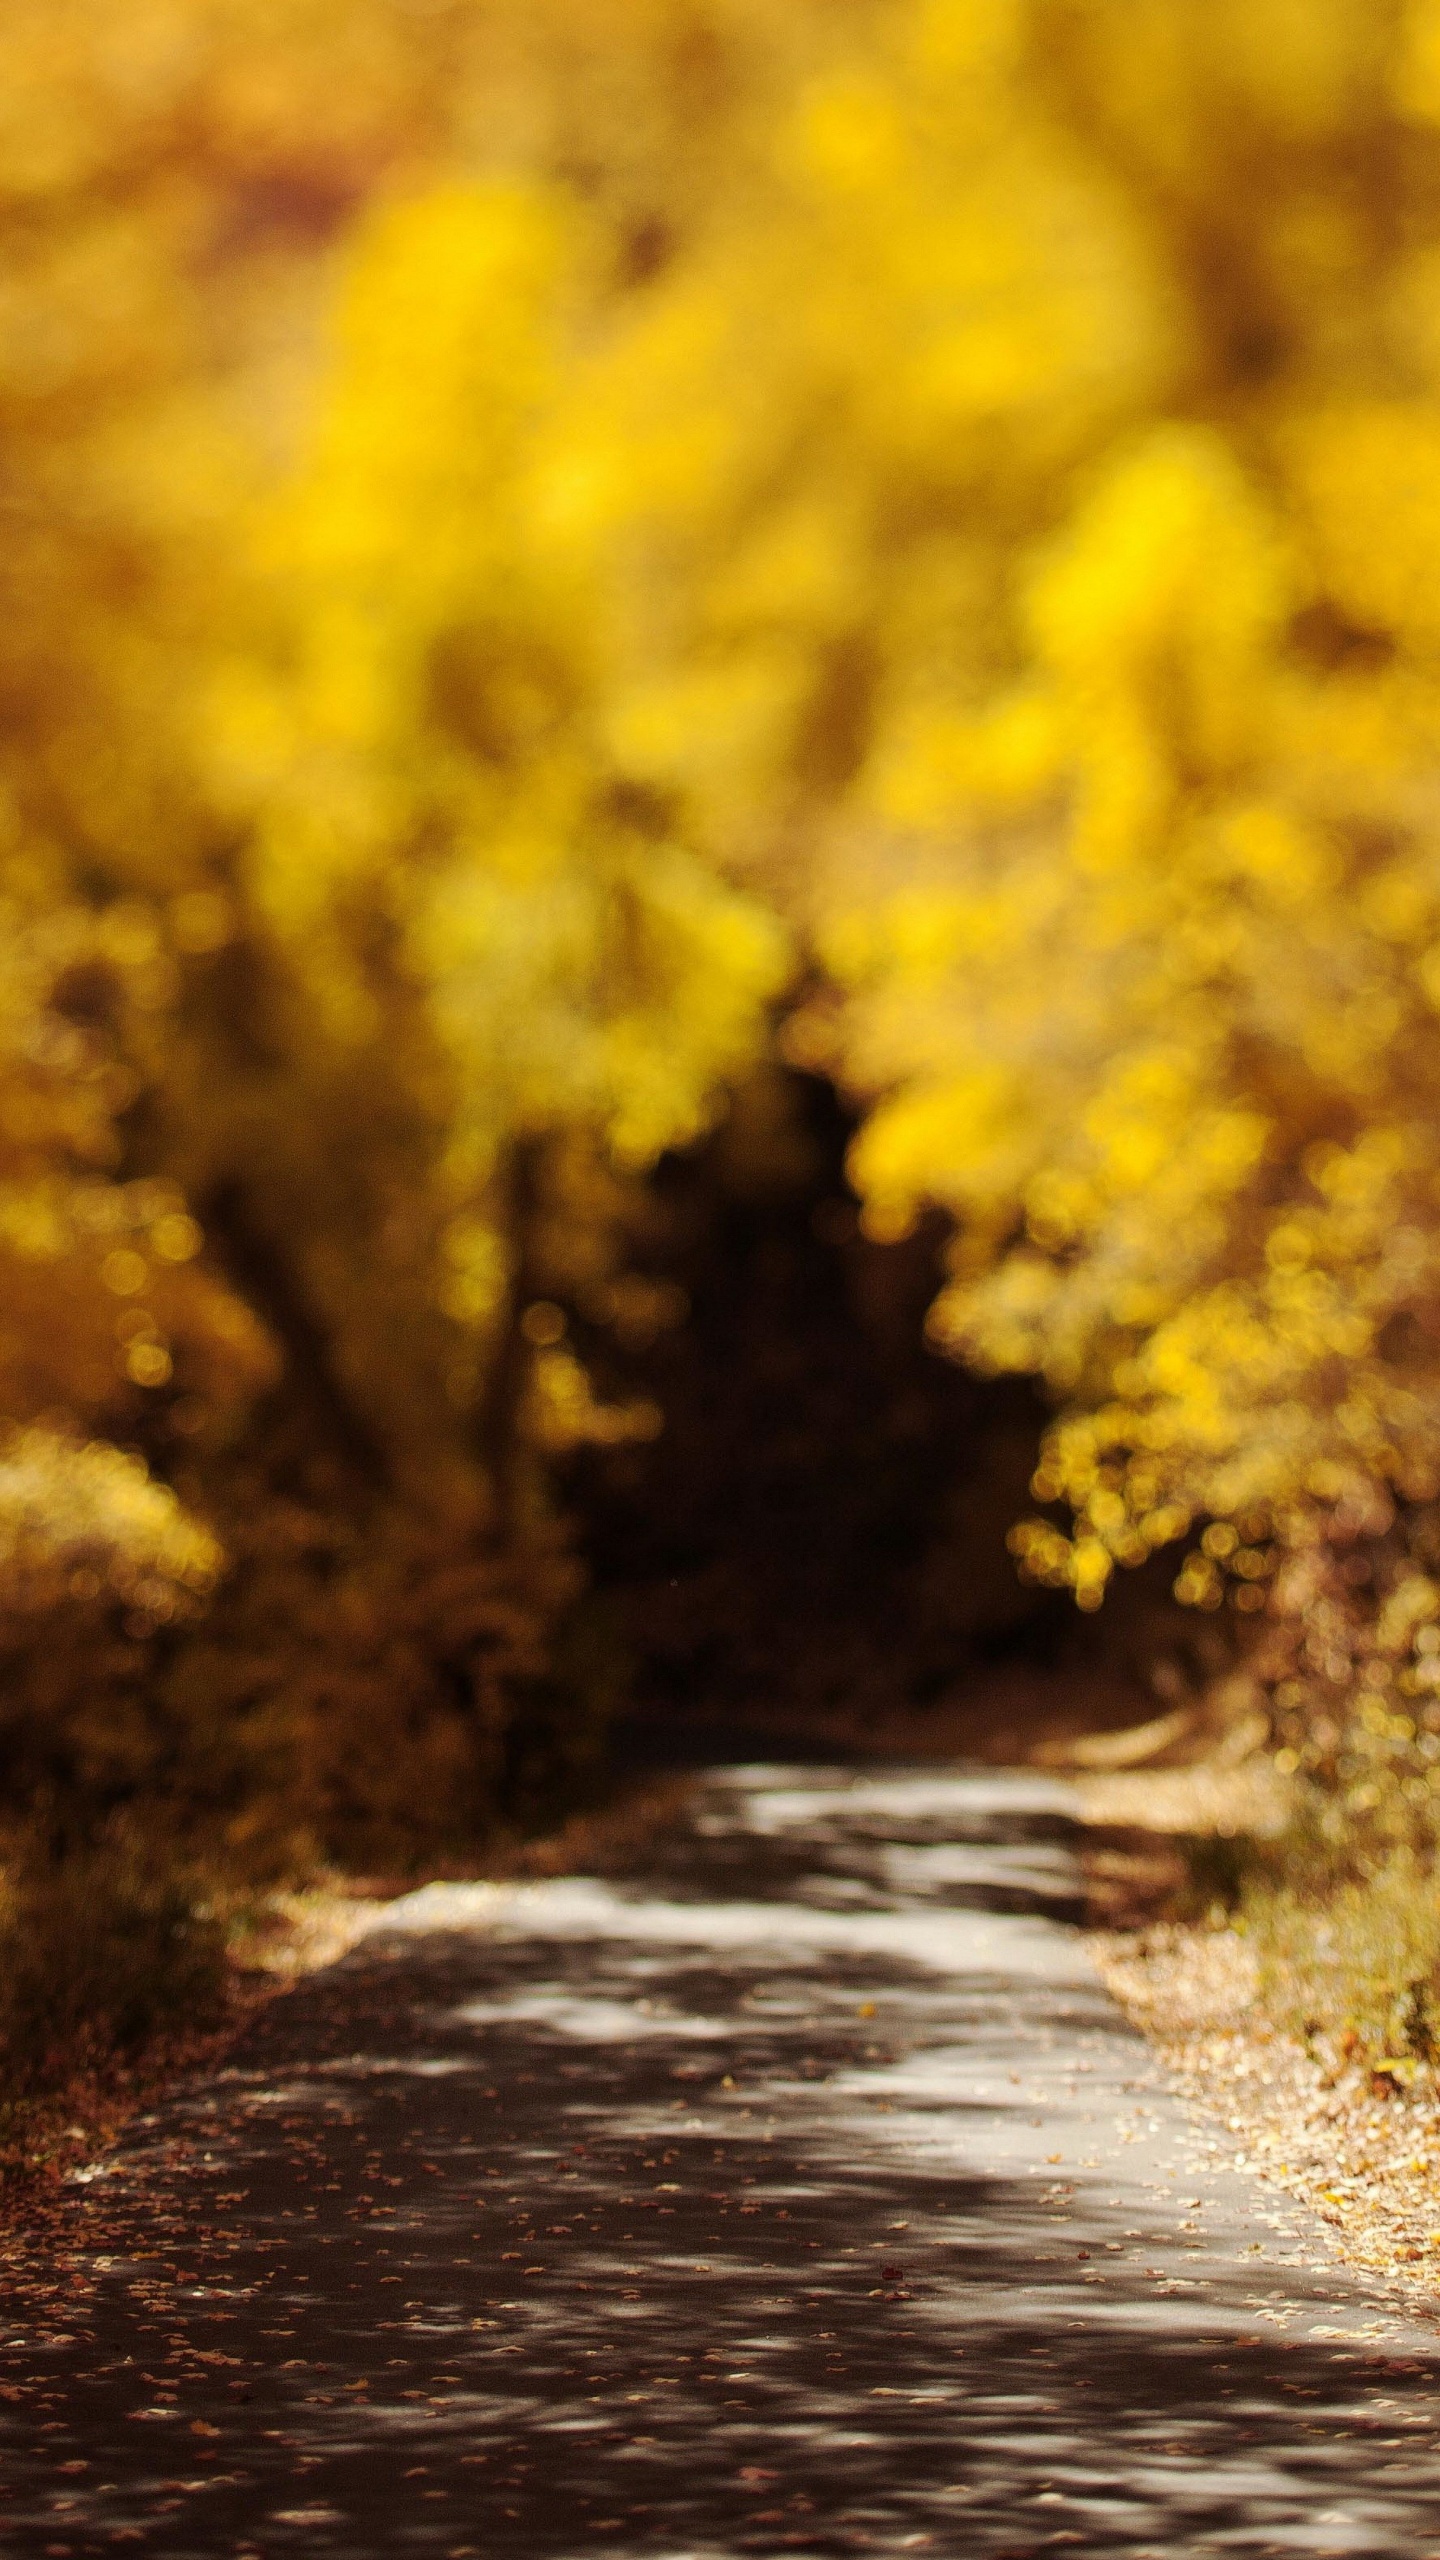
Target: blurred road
803,2193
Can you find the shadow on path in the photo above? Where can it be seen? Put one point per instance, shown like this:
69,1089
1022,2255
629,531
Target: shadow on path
803,2194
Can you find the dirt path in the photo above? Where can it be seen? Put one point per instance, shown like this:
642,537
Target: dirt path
803,2194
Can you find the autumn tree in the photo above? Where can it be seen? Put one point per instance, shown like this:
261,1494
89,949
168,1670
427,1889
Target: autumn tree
348,989
522,522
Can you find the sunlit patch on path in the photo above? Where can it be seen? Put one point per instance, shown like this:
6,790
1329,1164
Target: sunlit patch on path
801,2194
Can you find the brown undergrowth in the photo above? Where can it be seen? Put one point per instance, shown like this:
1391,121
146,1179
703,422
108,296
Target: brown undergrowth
1276,2003
1310,2122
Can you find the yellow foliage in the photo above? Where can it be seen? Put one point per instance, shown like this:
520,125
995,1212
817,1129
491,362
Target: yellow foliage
1133,935
425,766
511,537
82,1522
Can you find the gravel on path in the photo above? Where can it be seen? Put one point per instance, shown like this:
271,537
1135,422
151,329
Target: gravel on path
804,2192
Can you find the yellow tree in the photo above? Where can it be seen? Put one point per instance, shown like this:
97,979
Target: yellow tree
1136,917
473,562
173,205
1021,517
483,909
182,1073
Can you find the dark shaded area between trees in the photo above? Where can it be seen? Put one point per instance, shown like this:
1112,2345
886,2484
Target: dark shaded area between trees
813,1551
